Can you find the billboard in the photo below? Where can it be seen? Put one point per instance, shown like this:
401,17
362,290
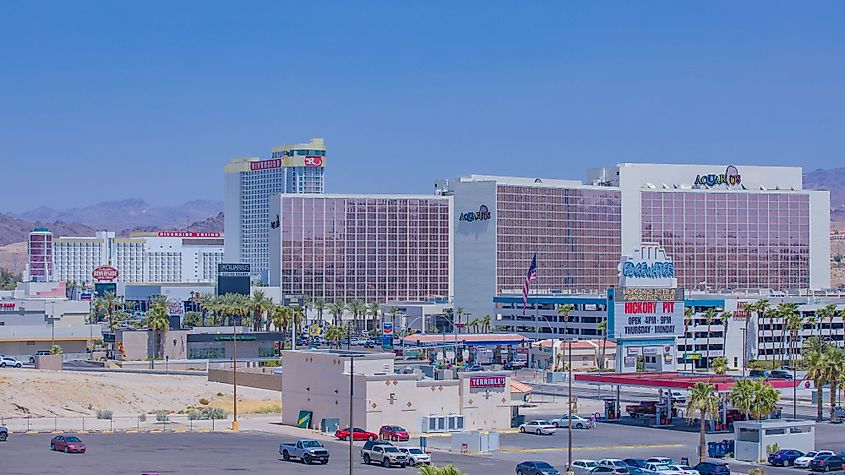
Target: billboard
387,335
487,382
311,161
105,273
100,289
648,319
232,278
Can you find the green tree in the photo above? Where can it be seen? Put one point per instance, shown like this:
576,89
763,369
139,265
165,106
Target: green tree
159,322
319,306
486,323
374,310
710,317
336,334
720,365
772,314
192,319
602,328
814,350
393,310
834,371
563,311
459,313
689,313
786,312
8,279
260,306
741,396
758,308
280,317
703,399
356,308
725,319
794,323
336,309
826,312
764,399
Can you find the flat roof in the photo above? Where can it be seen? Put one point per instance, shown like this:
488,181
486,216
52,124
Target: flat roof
672,380
466,338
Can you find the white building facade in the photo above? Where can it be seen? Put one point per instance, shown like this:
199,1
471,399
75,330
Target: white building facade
249,184
166,256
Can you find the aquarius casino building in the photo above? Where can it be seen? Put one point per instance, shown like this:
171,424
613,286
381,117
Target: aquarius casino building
726,227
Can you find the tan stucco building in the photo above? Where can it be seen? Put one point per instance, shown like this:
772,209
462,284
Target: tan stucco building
318,381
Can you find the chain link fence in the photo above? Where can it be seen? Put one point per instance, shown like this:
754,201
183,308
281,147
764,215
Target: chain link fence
159,422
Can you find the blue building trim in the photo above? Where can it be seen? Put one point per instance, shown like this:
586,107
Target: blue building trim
562,300
704,303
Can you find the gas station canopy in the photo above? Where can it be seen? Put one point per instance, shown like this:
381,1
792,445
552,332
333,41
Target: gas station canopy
722,383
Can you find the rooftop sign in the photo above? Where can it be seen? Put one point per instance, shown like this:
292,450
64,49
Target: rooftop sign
483,214
105,273
731,177
186,234
265,164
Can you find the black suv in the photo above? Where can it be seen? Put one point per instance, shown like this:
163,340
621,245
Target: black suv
758,373
780,374
4,433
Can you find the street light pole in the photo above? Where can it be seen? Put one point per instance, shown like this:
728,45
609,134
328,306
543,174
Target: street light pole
235,374
569,380
351,412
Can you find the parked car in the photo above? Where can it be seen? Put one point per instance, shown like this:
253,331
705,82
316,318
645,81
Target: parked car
357,434
758,373
679,396
307,451
9,361
395,433
583,466
663,460
713,468
38,353
536,467
514,365
372,443
639,463
638,471
578,422
804,461
662,469
785,457
644,408
780,374
602,470
416,456
618,465
473,367
826,463
538,427
4,433
67,444
385,455
684,469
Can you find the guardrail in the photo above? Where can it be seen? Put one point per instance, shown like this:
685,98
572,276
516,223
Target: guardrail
127,423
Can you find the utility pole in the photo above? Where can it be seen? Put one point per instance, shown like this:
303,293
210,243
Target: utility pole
351,412
569,381
235,374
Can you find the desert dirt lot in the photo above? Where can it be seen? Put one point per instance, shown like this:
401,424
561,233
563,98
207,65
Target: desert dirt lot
38,393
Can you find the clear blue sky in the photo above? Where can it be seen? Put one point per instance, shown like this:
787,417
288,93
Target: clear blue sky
109,100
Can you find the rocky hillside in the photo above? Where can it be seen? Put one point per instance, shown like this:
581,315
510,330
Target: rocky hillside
17,230
832,180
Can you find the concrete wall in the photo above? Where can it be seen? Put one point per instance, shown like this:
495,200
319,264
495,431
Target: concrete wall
140,345
485,409
253,379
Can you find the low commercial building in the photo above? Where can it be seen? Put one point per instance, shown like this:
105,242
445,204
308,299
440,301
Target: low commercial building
212,343
587,355
316,386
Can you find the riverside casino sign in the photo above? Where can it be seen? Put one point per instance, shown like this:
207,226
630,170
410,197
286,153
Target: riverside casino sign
648,303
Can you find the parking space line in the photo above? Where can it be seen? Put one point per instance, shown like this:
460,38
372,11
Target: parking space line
611,447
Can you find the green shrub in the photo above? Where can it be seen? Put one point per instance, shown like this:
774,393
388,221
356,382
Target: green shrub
772,448
207,413
142,417
161,416
104,414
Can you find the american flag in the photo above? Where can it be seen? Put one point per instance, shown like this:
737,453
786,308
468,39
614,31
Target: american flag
531,276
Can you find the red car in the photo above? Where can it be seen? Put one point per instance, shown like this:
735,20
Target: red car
395,433
358,434
67,444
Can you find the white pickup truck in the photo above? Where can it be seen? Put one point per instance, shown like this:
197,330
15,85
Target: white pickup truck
307,451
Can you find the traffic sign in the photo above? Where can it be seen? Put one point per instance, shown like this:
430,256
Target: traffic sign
314,330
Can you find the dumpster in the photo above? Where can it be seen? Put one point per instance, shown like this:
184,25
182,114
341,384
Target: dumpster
716,449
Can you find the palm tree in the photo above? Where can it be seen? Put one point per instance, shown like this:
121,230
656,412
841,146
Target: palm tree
486,323
834,371
393,310
260,305
563,311
688,315
710,316
828,312
720,365
319,306
373,309
703,399
759,307
794,323
435,470
473,325
602,328
158,321
356,307
764,399
335,334
280,316
336,309
741,396
110,300
459,312
772,314
725,319
814,350
786,311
